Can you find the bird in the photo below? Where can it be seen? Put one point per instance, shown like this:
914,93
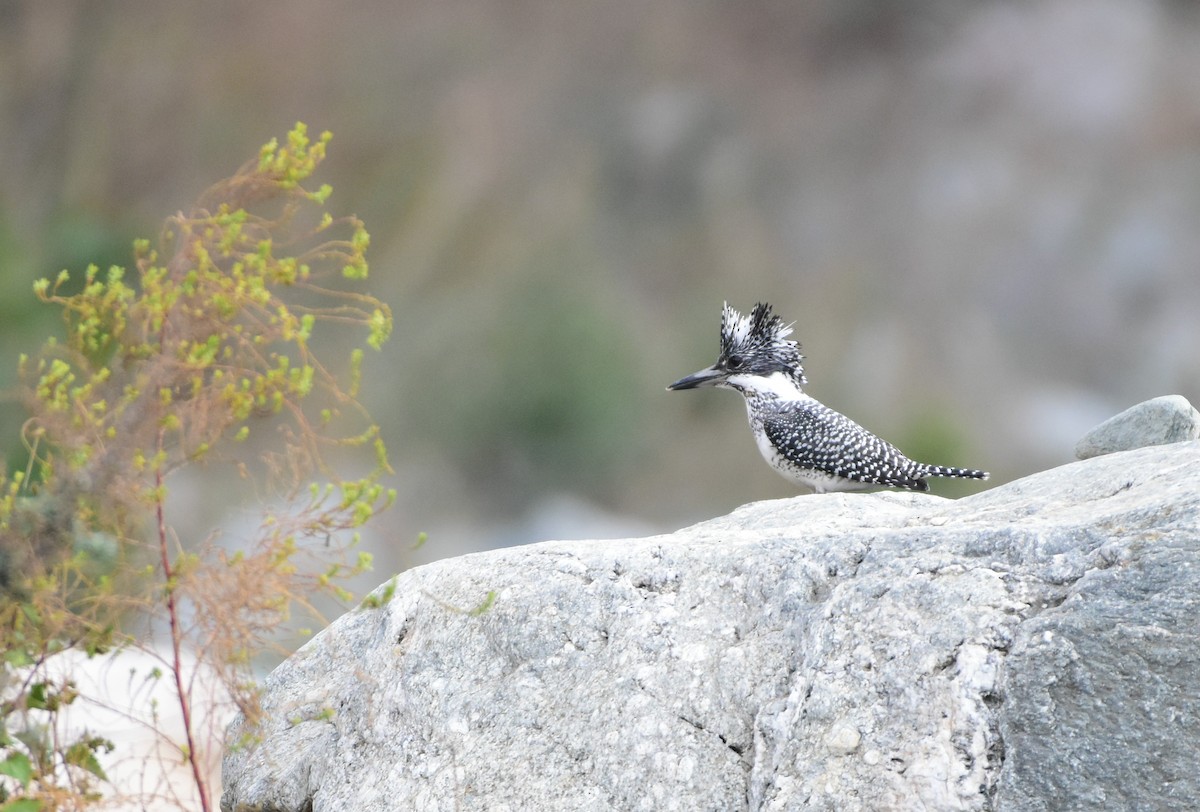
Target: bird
807,442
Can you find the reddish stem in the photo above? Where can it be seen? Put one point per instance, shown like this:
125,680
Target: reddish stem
185,707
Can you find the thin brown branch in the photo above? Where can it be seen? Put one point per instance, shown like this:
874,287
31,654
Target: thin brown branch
185,705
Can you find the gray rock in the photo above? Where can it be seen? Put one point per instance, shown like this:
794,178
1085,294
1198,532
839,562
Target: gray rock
1158,421
1032,647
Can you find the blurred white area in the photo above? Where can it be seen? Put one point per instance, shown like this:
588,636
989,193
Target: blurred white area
123,701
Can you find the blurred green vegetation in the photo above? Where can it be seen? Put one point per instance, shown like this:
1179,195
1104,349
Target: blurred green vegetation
935,435
533,395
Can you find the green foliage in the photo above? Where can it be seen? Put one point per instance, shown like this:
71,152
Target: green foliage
379,597
17,766
181,361
22,805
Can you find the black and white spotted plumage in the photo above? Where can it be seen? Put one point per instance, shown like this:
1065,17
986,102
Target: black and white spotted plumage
802,439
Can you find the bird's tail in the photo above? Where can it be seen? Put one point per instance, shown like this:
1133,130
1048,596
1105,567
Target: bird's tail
962,473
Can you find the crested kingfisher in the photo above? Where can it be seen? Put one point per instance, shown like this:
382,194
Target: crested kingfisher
804,440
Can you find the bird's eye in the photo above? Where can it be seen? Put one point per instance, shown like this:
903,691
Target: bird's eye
736,361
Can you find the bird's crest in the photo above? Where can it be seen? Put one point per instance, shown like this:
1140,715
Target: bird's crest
759,344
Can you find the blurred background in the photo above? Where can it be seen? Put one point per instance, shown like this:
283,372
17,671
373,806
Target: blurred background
984,219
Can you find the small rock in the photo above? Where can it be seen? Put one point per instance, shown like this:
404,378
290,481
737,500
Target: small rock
1159,421
843,740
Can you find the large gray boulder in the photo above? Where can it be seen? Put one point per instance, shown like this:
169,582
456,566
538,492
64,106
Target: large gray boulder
1032,647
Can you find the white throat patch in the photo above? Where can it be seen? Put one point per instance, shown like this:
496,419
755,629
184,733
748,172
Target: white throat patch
777,384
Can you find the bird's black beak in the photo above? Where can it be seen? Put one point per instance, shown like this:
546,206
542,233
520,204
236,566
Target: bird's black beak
705,377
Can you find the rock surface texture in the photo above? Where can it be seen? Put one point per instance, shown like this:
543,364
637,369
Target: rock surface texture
1033,647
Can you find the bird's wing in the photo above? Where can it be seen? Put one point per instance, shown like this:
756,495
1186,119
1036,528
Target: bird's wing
812,435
